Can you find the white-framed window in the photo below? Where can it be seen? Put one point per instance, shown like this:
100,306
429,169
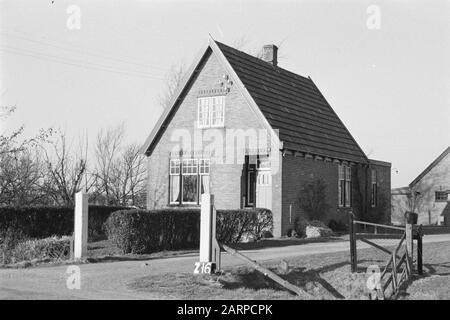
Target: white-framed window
348,186
204,169
203,113
344,186
174,181
211,111
188,179
374,188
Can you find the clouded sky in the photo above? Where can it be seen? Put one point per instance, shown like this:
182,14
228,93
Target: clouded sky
390,86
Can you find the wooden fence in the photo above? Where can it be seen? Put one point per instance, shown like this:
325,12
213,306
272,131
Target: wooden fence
399,267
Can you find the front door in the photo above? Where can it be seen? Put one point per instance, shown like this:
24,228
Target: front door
264,185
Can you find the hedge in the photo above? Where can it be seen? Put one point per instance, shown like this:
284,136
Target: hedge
53,248
147,231
43,221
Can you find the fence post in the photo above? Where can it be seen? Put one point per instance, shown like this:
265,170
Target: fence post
209,247
353,255
81,225
206,227
419,251
411,219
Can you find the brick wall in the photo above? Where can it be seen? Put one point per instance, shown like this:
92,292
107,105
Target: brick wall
437,179
381,212
296,172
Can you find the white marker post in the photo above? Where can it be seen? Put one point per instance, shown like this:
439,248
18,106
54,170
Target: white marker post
81,225
209,248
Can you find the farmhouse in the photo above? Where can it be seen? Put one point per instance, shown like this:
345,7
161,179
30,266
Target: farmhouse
256,135
427,194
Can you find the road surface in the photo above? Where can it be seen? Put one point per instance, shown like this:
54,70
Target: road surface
109,280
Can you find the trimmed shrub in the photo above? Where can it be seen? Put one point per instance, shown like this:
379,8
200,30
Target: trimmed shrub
233,225
42,222
55,248
9,239
13,250
143,231
301,225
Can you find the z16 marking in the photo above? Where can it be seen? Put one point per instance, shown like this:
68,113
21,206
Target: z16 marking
203,267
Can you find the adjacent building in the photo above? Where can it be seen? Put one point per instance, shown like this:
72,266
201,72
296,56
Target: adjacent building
428,194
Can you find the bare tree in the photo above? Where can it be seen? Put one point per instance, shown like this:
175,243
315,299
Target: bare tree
13,141
21,178
120,172
66,170
173,80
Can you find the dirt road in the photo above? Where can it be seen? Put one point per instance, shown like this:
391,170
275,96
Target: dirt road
109,280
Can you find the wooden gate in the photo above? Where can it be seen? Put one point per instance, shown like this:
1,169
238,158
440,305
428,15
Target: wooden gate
399,266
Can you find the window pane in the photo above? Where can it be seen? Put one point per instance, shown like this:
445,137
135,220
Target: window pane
251,181
341,192
203,112
204,184
204,166
190,166
174,167
441,196
341,172
347,193
174,189
374,194
217,111
190,192
348,173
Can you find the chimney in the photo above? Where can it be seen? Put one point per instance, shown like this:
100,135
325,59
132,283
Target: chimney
270,54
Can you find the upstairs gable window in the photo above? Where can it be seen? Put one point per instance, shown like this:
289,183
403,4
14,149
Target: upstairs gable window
211,112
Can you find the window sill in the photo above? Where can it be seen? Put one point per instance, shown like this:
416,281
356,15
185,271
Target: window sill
184,205
210,127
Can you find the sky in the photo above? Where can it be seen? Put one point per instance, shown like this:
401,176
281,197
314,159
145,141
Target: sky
382,65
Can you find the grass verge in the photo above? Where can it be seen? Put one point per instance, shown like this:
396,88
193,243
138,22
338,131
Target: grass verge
322,276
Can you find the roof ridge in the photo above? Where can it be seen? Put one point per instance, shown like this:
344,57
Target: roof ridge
430,166
262,61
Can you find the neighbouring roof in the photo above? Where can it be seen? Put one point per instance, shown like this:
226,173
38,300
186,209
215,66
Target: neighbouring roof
401,191
431,166
380,163
290,103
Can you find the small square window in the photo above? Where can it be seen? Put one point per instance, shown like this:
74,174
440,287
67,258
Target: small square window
441,196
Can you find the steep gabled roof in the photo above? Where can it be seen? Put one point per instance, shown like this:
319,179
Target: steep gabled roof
282,100
294,105
431,166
